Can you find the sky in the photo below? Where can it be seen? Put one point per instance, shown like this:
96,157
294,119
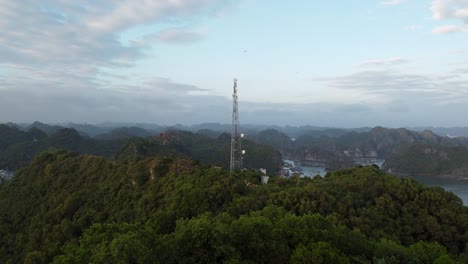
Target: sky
394,63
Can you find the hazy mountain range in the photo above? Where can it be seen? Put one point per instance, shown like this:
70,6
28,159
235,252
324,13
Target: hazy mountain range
93,130
333,148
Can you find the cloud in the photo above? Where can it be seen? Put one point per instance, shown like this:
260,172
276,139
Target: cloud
450,29
353,108
390,2
384,62
444,9
405,97
392,85
460,71
158,101
55,57
450,9
55,34
402,99
66,61
88,32
166,84
130,12
398,106
446,29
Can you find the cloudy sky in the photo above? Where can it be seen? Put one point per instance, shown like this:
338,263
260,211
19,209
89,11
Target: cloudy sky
327,63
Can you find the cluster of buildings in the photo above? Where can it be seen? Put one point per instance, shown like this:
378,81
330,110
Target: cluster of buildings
5,175
289,169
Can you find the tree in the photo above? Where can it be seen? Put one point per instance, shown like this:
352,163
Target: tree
317,253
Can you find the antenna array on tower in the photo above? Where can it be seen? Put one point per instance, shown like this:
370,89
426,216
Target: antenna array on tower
236,148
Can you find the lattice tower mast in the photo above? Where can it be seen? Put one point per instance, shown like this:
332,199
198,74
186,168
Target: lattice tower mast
236,148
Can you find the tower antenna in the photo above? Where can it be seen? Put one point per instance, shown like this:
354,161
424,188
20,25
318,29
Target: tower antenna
236,148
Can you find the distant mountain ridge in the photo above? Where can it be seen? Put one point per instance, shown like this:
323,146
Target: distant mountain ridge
201,147
18,148
431,160
93,130
341,149
12,135
48,129
292,131
445,131
125,132
333,148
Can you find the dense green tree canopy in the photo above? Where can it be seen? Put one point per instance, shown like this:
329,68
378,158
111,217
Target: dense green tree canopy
18,148
203,148
425,159
21,147
71,208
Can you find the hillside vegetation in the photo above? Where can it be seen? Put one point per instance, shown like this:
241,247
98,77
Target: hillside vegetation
402,148
423,159
70,208
202,147
379,142
18,148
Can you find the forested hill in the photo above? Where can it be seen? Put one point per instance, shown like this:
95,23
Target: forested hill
379,142
10,135
18,148
68,208
433,160
336,149
204,148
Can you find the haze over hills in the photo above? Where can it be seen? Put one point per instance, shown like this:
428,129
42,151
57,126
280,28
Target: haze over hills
102,128
333,148
93,130
18,148
21,149
430,159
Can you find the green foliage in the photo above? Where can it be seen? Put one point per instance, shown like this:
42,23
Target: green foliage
110,243
424,252
316,253
339,151
401,148
201,147
444,259
71,208
275,139
423,159
12,135
20,150
124,133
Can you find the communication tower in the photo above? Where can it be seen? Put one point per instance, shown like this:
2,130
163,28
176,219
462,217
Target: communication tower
236,138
